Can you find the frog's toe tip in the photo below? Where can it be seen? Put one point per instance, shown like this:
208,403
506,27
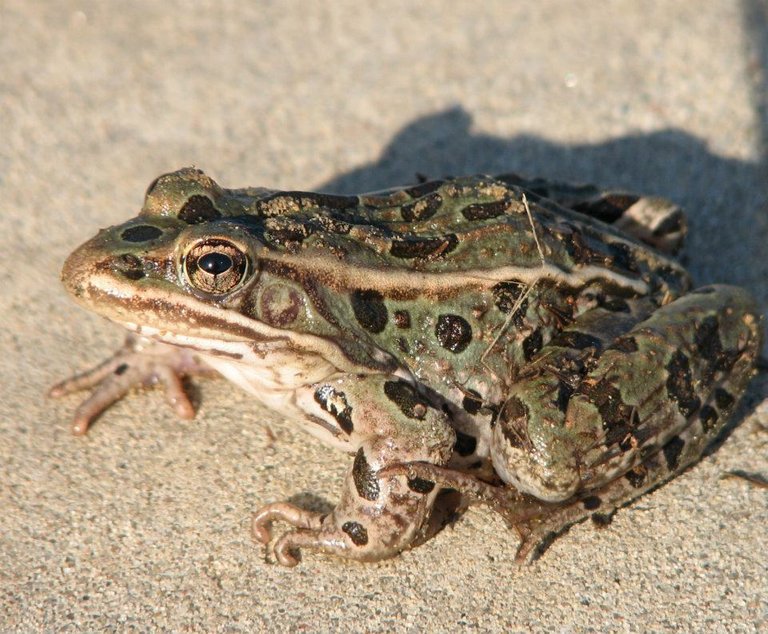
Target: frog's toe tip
62,388
183,408
260,531
80,427
284,552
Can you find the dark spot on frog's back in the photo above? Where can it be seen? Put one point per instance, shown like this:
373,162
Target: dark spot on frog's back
618,417
627,344
574,243
402,318
564,393
423,208
141,233
453,332
366,482
615,305
472,402
485,211
708,339
608,208
591,503
576,340
198,209
636,476
357,533
465,444
723,400
623,257
506,294
586,247
422,189
710,347
671,277
514,418
505,297
370,310
708,417
408,248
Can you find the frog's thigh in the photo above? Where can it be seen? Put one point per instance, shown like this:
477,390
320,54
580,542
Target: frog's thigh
531,446
380,515
665,385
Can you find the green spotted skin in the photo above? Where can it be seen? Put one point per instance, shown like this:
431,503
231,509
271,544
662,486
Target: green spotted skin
528,344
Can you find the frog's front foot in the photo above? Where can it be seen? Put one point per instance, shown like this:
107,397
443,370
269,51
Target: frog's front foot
307,523
140,362
346,533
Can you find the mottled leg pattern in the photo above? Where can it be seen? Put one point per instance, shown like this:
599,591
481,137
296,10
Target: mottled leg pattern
588,435
379,513
140,362
533,446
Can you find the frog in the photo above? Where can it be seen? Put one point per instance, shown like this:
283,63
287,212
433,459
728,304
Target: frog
525,344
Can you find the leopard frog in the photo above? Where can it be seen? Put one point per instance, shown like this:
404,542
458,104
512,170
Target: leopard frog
525,344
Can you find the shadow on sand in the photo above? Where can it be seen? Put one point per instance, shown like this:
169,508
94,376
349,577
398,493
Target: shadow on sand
725,198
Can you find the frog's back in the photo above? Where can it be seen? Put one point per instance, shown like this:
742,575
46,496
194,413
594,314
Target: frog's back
462,228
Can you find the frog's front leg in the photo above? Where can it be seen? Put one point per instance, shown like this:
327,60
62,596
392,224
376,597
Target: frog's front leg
140,362
388,422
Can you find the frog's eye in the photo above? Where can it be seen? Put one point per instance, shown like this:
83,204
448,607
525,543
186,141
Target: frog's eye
215,266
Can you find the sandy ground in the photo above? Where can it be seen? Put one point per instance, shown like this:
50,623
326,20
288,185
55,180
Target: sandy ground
143,524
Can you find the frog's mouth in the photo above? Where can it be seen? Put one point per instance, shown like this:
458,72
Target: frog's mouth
181,319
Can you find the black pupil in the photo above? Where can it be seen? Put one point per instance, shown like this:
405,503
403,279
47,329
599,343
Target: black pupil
215,263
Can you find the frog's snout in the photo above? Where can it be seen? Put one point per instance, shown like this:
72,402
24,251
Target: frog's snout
75,272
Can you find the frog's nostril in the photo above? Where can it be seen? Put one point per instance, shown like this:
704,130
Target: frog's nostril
129,260
130,266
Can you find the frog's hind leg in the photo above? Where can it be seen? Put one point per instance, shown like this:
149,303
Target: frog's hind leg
539,524
646,409
670,383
